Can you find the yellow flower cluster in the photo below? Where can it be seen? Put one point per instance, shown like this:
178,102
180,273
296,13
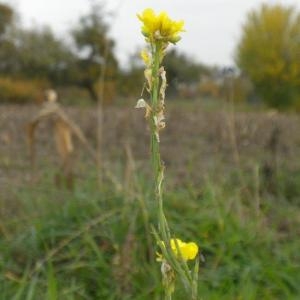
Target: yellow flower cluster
188,251
160,27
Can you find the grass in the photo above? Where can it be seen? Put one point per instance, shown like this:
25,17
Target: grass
91,244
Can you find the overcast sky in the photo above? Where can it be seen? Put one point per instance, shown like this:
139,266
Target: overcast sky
212,26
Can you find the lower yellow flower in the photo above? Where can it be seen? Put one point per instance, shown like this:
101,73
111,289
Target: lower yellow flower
188,251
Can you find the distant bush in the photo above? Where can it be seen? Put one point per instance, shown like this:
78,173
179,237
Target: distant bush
238,87
268,52
209,88
20,90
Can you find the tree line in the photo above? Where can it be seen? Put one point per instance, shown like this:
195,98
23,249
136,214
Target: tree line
37,54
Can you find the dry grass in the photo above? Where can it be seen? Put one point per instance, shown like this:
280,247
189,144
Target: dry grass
197,143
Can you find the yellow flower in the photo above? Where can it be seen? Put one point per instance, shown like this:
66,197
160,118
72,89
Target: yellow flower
188,251
160,27
146,57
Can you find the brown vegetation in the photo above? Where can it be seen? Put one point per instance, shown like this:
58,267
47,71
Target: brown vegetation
197,143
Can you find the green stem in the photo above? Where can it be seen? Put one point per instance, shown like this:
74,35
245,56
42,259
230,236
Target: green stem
168,296
155,149
158,167
154,99
158,170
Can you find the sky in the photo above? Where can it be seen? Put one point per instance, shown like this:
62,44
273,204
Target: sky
212,26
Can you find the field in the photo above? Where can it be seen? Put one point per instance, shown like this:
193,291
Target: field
232,185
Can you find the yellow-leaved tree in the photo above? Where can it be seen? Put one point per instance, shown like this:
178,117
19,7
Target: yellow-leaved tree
269,53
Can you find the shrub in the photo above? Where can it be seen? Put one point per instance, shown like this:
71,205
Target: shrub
268,52
20,90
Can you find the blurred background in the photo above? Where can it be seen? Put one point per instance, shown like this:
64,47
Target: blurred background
75,176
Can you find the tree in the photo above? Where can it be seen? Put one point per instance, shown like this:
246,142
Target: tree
38,53
182,69
35,53
94,51
6,17
6,45
268,52
41,54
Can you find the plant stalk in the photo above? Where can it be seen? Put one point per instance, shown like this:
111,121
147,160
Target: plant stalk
158,167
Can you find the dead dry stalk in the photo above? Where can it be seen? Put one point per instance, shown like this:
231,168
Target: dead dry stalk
64,129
